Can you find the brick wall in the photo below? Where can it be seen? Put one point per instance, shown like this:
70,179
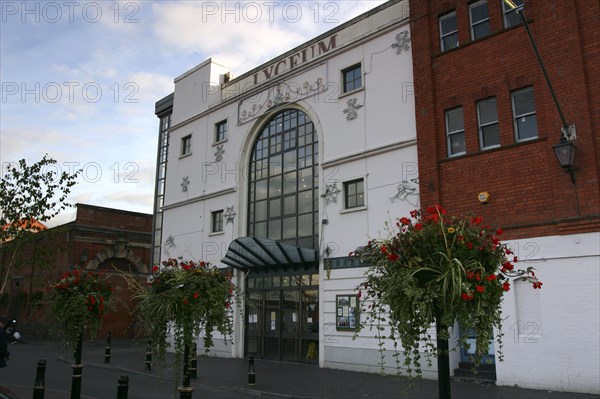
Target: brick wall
530,195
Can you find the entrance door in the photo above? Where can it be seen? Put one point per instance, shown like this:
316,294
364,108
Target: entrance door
255,307
310,326
271,325
290,325
282,317
466,354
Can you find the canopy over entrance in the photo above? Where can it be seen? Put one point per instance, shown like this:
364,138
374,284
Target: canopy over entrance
262,254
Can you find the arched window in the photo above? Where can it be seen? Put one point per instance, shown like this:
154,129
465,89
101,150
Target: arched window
284,181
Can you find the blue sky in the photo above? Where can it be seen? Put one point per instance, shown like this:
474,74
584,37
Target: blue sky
80,78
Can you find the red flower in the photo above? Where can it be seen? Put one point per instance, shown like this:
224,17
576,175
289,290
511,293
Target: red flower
202,264
227,305
384,249
466,297
359,294
507,266
418,226
499,232
196,295
506,286
393,257
469,245
435,218
414,213
186,301
476,220
537,284
405,221
515,259
480,288
154,268
491,277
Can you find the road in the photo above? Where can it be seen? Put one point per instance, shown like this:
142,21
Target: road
97,382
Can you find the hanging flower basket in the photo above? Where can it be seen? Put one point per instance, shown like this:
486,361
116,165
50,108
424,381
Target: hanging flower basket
80,299
435,268
184,300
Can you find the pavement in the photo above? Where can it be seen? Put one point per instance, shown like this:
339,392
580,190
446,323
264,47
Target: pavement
287,380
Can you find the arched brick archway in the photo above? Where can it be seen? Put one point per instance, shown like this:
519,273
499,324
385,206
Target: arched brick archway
121,258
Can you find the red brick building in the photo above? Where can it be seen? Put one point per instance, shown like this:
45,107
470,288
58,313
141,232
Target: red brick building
487,122
99,238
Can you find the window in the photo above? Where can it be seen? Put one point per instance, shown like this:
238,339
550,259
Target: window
480,21
352,78
524,114
283,189
216,221
511,18
186,145
354,193
221,131
455,131
448,31
489,135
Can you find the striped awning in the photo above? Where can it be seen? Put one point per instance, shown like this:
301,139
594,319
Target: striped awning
263,254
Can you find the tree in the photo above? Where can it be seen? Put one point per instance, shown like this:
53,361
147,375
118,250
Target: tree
29,194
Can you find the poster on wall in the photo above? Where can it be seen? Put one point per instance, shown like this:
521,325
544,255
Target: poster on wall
347,312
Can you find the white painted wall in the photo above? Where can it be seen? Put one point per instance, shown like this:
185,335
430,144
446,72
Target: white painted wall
552,335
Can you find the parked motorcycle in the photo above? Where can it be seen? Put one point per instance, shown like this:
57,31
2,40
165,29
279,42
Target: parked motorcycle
12,335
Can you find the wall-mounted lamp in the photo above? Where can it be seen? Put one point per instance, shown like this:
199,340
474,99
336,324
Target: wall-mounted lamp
565,151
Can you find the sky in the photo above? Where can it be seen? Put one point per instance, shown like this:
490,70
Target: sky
80,78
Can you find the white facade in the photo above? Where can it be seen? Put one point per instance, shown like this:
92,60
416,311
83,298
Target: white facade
366,133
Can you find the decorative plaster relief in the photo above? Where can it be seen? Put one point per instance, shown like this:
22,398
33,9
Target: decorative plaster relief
402,42
185,183
351,111
229,215
285,92
219,153
331,193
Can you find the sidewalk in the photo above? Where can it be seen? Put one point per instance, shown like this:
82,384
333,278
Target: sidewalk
301,381
283,380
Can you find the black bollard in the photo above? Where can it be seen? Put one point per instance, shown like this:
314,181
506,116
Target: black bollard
77,370
107,349
122,387
148,356
194,364
185,391
40,385
251,374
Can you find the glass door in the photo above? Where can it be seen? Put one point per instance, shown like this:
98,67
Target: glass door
271,325
255,309
290,325
310,327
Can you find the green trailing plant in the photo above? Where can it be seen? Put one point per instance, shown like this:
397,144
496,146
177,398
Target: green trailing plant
80,299
435,268
184,300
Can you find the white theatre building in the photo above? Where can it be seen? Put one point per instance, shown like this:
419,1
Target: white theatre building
296,161
280,172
